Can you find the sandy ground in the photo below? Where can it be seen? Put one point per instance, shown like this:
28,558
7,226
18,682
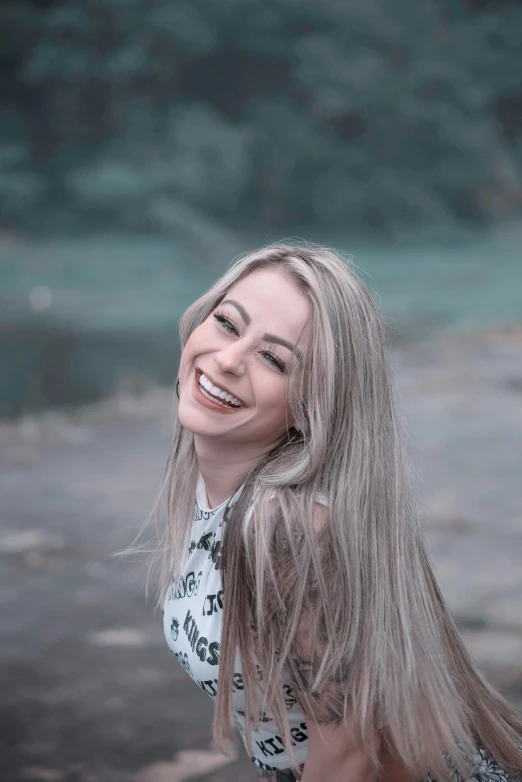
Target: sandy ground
88,689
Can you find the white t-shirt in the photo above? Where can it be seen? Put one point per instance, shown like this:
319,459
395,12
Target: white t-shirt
192,618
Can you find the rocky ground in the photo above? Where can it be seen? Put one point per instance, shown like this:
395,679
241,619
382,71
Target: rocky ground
88,690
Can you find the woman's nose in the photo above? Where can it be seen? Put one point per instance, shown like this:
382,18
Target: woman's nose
231,359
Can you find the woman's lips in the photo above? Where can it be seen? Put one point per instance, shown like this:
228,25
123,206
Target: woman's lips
202,399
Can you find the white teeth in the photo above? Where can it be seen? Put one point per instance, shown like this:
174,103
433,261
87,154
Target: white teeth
217,393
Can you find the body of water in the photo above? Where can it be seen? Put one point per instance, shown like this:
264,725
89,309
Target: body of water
80,318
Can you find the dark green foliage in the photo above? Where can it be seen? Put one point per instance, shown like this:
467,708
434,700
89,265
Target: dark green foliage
348,114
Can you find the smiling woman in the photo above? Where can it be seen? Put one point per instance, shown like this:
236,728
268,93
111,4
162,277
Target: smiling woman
296,586
237,357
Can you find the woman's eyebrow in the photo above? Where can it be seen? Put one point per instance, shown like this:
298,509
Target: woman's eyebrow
281,341
269,337
242,311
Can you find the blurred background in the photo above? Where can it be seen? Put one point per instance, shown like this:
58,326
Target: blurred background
143,145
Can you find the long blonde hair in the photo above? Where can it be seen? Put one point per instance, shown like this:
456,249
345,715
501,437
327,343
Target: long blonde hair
365,580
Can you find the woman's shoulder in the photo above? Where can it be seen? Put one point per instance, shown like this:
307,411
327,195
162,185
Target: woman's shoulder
321,498
320,513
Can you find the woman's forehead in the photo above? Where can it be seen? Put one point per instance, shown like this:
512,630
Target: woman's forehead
271,289
269,301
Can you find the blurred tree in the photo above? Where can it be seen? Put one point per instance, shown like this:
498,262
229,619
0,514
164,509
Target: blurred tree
353,115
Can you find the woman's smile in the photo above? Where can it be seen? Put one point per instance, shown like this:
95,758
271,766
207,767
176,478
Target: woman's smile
204,394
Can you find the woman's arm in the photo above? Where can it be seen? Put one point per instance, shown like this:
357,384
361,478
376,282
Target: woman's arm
334,755
392,767
334,752
392,770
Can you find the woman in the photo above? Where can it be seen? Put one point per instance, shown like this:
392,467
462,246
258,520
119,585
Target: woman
299,594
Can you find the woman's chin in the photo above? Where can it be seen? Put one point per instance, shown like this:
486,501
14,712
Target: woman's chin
192,423
189,418
197,422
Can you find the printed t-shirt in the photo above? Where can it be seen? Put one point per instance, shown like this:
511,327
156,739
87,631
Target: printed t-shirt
192,618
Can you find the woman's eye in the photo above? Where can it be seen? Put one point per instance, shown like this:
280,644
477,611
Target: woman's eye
230,327
275,360
227,324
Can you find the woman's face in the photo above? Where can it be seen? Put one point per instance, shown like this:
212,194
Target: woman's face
244,350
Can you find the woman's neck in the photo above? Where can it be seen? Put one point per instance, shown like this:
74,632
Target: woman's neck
219,487
223,469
